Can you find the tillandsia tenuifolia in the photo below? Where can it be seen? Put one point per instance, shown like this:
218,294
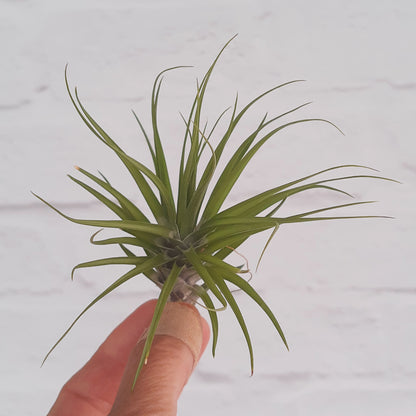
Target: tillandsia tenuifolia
183,247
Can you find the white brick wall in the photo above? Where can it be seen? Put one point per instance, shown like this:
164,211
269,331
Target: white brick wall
345,292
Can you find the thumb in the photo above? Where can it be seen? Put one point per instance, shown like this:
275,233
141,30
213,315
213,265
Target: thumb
180,338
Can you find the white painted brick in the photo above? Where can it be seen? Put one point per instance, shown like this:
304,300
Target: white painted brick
343,292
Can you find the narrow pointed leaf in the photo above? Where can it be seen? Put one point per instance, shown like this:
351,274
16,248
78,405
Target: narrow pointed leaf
196,263
266,245
125,203
151,229
212,316
149,145
145,243
234,306
160,305
127,252
149,264
109,260
110,204
247,288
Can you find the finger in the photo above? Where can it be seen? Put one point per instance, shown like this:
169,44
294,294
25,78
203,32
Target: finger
180,339
92,390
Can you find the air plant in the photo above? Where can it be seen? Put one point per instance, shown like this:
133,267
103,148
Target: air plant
183,246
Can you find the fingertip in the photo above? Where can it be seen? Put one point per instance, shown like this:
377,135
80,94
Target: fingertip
179,341
206,333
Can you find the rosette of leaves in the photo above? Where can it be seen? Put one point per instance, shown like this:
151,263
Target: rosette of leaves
184,244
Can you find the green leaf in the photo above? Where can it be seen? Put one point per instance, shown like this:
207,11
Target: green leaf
147,243
229,176
212,312
326,209
110,204
134,167
149,145
260,202
154,230
159,159
247,288
213,260
160,305
127,252
203,143
187,179
110,260
196,200
137,170
238,162
149,264
130,209
236,118
104,178
196,263
234,306
266,245
227,229
256,207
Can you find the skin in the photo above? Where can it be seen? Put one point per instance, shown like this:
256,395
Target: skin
103,386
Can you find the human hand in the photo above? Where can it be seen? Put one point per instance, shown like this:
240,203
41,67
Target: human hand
103,387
